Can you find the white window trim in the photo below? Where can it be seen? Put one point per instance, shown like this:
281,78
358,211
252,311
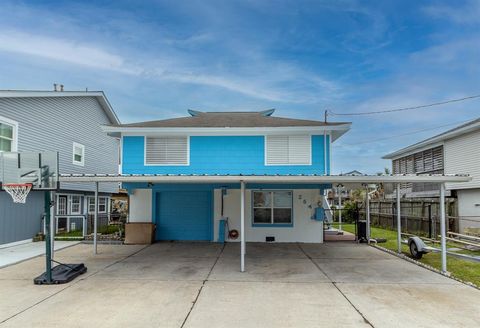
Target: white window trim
14,124
293,164
82,163
272,207
92,198
153,136
70,197
68,204
57,207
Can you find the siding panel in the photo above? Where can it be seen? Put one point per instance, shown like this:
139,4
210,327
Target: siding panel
222,155
462,156
49,123
20,221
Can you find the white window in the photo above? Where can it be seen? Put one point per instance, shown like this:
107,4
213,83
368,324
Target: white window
166,151
78,154
75,202
102,204
272,207
62,205
288,150
8,134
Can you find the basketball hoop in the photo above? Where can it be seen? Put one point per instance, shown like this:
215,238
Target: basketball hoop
18,191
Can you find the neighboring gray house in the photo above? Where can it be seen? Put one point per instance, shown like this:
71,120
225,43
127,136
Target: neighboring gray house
354,173
451,152
67,122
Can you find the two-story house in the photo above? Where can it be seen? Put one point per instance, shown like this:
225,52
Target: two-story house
450,152
69,123
214,144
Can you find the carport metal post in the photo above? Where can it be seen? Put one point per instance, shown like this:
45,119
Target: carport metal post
95,220
367,212
242,226
442,228
399,221
339,189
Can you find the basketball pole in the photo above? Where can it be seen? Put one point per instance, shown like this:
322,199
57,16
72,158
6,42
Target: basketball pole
48,243
53,223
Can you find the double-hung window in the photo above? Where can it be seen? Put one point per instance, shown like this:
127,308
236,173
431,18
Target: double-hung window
288,150
78,154
75,204
166,150
8,135
102,204
273,207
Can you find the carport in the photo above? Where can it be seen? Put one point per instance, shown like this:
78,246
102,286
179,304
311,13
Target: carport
244,180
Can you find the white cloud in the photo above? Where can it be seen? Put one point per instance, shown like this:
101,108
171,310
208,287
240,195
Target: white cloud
264,83
63,50
466,14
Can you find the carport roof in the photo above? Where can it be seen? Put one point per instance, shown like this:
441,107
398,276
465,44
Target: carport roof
302,178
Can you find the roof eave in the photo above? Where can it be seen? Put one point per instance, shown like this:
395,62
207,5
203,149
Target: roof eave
112,116
307,179
99,95
337,130
432,141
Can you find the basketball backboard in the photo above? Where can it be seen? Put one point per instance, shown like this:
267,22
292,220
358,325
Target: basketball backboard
37,168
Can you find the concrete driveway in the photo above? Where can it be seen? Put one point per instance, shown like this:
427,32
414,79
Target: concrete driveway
199,285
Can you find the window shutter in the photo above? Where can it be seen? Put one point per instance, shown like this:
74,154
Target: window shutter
166,151
419,162
299,149
277,150
438,158
288,150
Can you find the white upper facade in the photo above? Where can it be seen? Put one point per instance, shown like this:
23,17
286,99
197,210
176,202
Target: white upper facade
460,154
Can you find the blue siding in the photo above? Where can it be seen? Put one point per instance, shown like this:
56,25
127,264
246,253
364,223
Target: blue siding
222,155
184,215
20,221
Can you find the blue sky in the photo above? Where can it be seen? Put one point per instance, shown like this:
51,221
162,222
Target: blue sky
156,59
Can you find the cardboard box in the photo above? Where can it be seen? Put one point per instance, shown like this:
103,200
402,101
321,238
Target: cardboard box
139,233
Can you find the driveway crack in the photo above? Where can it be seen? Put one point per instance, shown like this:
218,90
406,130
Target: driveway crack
335,285
201,287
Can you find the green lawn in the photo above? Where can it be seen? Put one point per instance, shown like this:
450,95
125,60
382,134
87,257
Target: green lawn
106,230
73,233
462,269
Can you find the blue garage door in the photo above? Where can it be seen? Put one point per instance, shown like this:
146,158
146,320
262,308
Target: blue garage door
184,215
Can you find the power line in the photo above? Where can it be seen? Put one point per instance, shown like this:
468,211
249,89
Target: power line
406,108
405,134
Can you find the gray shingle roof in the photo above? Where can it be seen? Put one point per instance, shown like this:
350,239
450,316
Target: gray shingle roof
229,119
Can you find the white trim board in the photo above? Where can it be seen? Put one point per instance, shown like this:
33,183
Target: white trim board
307,179
335,130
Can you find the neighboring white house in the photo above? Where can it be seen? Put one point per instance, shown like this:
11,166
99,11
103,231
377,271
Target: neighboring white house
456,150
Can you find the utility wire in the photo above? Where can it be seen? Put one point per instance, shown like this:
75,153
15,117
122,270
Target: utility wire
404,134
405,108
